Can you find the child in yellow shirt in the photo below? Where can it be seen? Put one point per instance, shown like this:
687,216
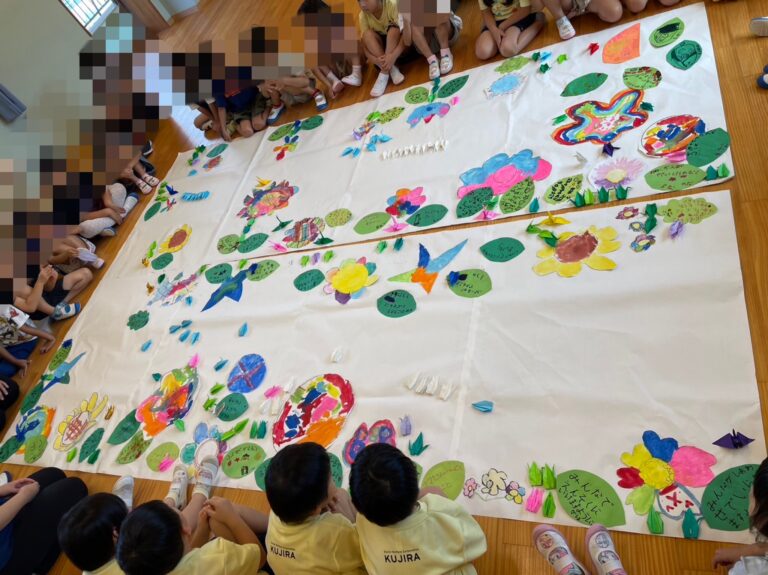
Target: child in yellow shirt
404,531
311,527
381,33
156,538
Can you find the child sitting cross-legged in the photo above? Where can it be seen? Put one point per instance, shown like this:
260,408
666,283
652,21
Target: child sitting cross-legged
311,527
403,530
157,538
381,34
89,531
290,91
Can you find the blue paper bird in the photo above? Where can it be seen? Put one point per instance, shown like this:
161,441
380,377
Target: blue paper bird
427,268
231,288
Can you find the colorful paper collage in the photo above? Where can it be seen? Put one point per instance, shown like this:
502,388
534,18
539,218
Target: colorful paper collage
223,353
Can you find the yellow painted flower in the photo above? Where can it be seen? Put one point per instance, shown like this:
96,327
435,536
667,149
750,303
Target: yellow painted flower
350,279
573,250
175,241
77,423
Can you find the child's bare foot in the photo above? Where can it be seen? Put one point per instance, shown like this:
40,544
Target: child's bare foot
337,88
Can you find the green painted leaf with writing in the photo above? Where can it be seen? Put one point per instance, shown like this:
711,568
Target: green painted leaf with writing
218,274
134,449
396,304
589,499
312,123
452,86
725,504
708,147
472,283
448,476
91,444
372,223
417,95
252,243
473,202
502,249
518,197
428,216
308,280
264,269
281,132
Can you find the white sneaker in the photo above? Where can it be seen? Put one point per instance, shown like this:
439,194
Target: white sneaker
446,64
353,79
178,490
457,24
565,28
759,26
209,467
123,488
381,84
396,75
108,232
88,257
434,69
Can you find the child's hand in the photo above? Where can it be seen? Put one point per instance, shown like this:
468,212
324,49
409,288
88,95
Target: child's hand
46,273
498,35
73,253
29,490
4,391
727,557
115,216
342,503
203,518
22,364
47,345
14,487
221,510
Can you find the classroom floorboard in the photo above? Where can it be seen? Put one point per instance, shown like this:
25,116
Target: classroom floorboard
740,57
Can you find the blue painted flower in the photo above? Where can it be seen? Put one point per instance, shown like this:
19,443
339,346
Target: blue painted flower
643,243
427,112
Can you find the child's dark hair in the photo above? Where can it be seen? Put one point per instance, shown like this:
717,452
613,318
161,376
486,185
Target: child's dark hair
86,532
297,481
150,541
384,484
759,518
313,7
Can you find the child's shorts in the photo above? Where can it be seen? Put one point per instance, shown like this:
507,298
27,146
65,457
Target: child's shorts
300,98
19,351
257,108
522,24
456,26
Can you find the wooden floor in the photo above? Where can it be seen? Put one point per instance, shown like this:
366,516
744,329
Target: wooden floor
739,59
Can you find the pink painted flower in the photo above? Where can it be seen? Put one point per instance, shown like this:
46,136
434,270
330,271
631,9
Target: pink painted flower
470,486
616,172
405,202
658,464
627,213
502,172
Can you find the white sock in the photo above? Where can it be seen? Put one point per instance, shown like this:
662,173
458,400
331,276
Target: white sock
432,58
333,78
357,70
445,52
130,203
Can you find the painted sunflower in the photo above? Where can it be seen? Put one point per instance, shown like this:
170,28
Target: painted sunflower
573,250
175,241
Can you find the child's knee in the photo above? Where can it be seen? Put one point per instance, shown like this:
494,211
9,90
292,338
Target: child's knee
484,50
259,123
245,129
509,49
611,11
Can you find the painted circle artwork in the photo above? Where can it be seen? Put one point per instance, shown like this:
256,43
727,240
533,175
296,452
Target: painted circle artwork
601,123
671,135
242,460
267,198
248,374
315,412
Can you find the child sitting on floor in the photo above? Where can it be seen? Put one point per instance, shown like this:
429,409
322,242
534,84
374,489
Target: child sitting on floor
289,91
156,538
553,546
72,253
636,6
318,20
381,34
432,32
17,342
563,10
405,531
311,527
242,110
508,27
89,531
751,559
109,210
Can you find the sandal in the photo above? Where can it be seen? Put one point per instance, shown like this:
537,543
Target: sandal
151,180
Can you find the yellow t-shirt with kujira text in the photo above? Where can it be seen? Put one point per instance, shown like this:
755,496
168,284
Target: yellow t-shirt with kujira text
389,17
324,544
220,557
438,538
502,10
